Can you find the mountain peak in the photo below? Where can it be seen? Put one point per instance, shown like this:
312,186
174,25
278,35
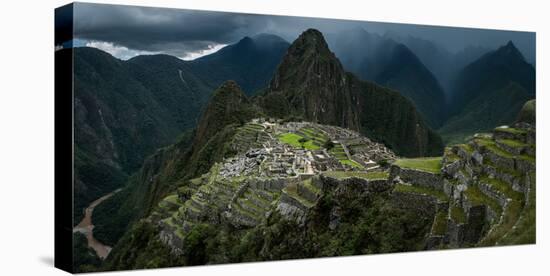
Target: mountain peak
245,40
228,105
229,88
308,59
510,50
312,38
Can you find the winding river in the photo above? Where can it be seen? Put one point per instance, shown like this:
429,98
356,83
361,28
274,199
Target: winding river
86,227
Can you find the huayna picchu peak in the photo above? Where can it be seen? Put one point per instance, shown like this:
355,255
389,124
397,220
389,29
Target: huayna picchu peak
243,140
311,83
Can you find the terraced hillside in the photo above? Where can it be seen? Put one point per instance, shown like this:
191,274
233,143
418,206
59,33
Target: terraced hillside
482,192
300,189
277,166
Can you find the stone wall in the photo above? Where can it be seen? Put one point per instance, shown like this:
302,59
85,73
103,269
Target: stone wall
424,204
417,177
455,233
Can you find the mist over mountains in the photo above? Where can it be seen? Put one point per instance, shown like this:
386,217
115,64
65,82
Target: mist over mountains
153,124
302,137
390,95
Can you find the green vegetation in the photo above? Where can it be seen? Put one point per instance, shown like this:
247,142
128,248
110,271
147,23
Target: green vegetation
439,226
467,148
140,249
511,130
366,222
365,227
297,141
339,153
527,158
85,258
292,191
421,190
477,197
111,218
528,112
427,164
450,155
490,92
511,216
501,186
364,175
97,178
491,146
351,163
524,231
457,214
512,143
308,184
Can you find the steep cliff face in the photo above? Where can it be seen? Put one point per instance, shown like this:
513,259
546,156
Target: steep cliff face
311,83
249,62
193,154
228,105
389,63
125,110
489,92
118,122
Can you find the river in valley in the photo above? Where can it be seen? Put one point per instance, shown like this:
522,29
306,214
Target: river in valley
86,227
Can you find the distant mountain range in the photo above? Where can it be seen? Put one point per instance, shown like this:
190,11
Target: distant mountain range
126,110
250,62
308,84
473,90
311,83
490,92
392,64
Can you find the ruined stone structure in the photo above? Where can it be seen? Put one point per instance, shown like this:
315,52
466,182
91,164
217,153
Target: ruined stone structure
475,194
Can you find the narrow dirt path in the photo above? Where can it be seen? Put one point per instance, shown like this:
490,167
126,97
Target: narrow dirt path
86,227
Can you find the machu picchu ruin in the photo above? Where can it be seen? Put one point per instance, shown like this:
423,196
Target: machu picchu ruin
247,155
277,166
477,194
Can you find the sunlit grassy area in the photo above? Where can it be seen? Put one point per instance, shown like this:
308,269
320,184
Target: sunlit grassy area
297,141
364,175
479,198
511,130
291,139
421,190
428,164
351,163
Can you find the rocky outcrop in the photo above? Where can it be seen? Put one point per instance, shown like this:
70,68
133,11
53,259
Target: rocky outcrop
310,83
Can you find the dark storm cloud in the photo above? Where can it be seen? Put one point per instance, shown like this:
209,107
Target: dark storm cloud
161,30
178,32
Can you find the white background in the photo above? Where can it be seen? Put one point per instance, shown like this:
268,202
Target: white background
27,139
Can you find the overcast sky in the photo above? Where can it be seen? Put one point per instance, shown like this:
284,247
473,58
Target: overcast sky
126,31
